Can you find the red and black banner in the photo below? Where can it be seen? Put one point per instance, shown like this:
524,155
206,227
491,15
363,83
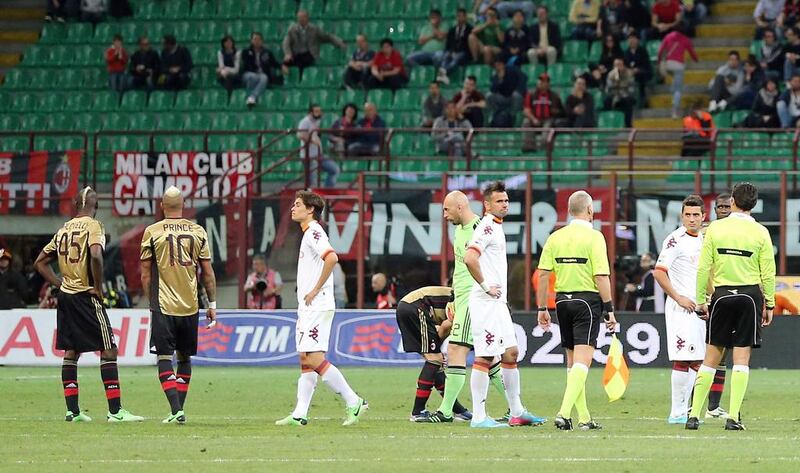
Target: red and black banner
39,182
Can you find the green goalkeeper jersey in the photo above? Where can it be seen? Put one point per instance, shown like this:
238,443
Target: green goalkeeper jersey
462,280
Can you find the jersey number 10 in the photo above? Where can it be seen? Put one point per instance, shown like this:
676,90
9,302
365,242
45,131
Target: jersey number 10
176,247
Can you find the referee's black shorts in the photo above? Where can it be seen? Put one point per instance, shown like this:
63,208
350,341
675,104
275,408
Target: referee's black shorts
417,329
82,324
735,317
171,333
579,318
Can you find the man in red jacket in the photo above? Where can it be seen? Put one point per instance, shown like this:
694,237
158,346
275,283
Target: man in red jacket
116,62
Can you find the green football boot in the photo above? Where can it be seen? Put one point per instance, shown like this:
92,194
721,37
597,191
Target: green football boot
353,413
123,416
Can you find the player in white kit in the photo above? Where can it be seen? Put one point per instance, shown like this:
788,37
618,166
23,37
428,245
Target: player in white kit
676,273
315,308
492,329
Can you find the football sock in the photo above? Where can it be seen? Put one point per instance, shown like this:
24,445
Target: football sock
425,383
739,378
496,377
110,375
456,376
306,385
184,378
576,380
335,380
717,387
580,405
440,384
167,377
680,388
693,368
705,376
512,384
479,383
69,379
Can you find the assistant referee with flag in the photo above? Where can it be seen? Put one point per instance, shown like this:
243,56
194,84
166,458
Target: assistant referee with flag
738,252
577,254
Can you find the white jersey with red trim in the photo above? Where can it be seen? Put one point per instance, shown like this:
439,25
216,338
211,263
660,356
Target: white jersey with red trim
489,240
313,249
680,254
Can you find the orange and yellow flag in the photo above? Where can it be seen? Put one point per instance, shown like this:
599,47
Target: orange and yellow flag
616,374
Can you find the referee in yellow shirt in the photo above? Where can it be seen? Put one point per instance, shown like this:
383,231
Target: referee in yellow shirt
738,253
577,254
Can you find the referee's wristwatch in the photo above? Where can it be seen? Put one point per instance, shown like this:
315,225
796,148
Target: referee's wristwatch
542,309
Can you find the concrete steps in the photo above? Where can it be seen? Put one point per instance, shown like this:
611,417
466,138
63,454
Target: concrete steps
694,77
665,100
726,30
666,123
20,24
733,9
22,13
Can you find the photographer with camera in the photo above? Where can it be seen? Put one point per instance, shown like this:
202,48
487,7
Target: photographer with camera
263,286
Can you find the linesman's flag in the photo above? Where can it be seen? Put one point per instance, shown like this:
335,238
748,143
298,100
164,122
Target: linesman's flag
616,374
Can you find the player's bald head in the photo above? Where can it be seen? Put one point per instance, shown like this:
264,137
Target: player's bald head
580,204
455,206
172,201
456,198
86,201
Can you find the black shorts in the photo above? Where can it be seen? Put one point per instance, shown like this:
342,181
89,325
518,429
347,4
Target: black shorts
82,324
171,333
735,319
579,318
417,329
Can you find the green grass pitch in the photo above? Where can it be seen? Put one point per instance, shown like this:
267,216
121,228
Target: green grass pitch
231,413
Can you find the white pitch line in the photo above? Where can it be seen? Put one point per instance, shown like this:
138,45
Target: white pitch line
331,460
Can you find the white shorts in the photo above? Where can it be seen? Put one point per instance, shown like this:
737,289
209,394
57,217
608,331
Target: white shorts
313,330
492,328
686,333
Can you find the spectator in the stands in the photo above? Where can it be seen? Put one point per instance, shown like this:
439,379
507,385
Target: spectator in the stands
93,10
385,291
357,71
486,39
369,140
229,64
13,286
766,15
610,51
613,19
431,41
621,90
665,16
637,60
517,41
542,108
176,65
671,55
433,106
694,12
790,14
470,102
387,71
727,82
311,146
545,39
145,66
638,16
791,63
456,47
583,15
341,137
56,10
504,9
302,41
259,67
765,107
788,105
116,62
263,285
697,128
771,54
506,90
753,80
580,106
649,295
449,140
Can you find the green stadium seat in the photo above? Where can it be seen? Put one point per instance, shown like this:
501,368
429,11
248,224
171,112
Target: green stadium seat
160,100
150,10
5,101
297,100
178,143
53,33
182,30
215,99
133,100
382,98
722,119
142,121
257,9
80,33
105,101
652,50
17,78
561,74
188,100
79,102
575,52
420,77
482,73
58,143
337,9
285,10
407,99
611,119
33,122
170,121
204,9
250,121
87,122
88,56
94,78
230,9
177,9
53,102
327,99
14,144
9,122
25,102
116,121
595,51
38,56
223,122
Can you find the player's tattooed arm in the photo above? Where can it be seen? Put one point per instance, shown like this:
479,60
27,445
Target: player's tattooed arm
145,267
44,268
210,283
96,267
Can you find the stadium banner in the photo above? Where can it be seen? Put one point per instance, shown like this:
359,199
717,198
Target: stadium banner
140,178
39,183
358,338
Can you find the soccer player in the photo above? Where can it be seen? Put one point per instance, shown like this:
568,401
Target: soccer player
737,252
172,251
457,211
577,255
315,310
676,273
492,329
82,324
424,322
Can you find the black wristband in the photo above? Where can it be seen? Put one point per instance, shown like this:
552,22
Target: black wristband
608,306
542,309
